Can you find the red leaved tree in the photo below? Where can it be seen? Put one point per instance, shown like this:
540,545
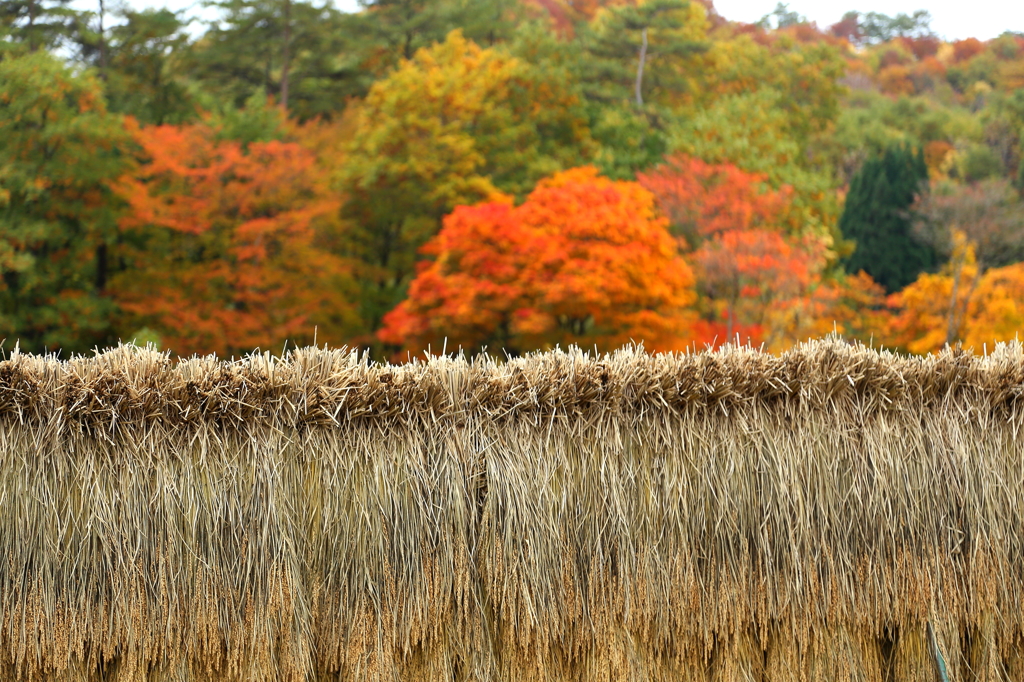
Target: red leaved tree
753,275
702,199
583,260
225,244
753,265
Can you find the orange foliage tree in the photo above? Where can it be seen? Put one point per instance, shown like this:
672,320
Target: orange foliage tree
991,310
977,226
225,244
853,306
963,50
752,263
757,280
997,308
583,260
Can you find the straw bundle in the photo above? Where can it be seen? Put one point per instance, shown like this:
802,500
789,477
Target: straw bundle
831,515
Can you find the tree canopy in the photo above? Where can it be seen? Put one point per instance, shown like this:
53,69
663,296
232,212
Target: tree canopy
583,260
60,152
876,217
414,170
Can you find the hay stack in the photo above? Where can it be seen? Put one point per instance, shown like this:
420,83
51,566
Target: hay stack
718,516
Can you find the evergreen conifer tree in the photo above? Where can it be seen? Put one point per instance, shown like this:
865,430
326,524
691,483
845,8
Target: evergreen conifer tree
630,48
136,60
876,217
36,24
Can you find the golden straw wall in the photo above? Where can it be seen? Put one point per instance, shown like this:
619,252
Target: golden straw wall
830,514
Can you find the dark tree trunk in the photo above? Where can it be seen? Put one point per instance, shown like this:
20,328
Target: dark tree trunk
103,42
286,56
101,267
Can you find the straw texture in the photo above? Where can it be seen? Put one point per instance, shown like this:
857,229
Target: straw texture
828,515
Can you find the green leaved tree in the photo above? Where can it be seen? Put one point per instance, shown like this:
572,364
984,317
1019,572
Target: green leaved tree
30,25
136,58
293,51
59,151
454,125
637,48
634,62
876,217
388,31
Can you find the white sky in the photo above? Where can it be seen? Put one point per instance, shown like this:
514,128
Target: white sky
951,19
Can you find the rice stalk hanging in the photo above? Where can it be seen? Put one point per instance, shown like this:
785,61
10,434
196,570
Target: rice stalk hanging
830,514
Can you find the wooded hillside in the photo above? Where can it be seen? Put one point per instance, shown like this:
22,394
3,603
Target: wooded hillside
507,175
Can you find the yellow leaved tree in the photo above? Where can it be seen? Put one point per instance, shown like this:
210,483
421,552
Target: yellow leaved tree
452,126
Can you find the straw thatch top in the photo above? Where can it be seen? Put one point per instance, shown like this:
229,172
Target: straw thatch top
833,513
130,386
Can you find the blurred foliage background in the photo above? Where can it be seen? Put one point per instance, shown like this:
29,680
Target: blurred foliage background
503,175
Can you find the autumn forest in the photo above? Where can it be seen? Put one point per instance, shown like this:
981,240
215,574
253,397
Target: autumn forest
504,175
